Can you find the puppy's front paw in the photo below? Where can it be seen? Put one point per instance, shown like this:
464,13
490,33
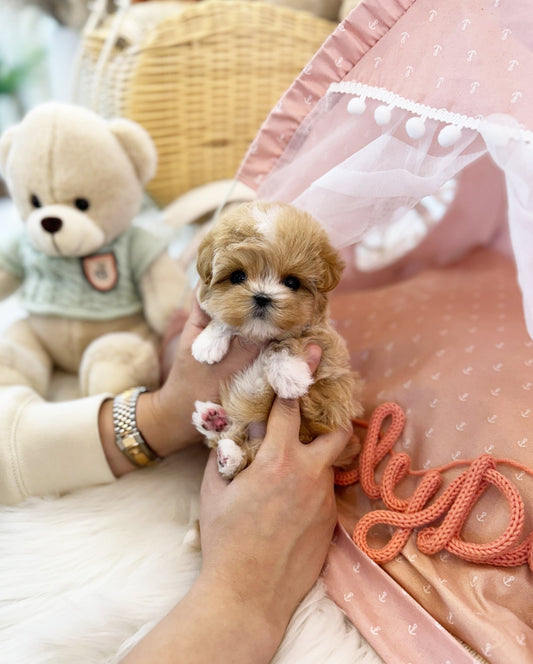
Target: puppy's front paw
289,376
211,345
209,418
230,458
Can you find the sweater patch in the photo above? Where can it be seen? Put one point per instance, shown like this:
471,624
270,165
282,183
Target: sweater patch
101,271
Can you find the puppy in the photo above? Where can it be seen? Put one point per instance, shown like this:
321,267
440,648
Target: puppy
265,271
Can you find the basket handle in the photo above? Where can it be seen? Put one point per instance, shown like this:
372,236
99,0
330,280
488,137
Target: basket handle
97,14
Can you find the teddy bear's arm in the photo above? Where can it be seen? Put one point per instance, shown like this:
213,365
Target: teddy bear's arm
164,288
11,262
9,283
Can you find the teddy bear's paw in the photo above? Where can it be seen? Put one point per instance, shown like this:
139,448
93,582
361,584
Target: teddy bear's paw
289,376
116,362
210,418
230,457
21,367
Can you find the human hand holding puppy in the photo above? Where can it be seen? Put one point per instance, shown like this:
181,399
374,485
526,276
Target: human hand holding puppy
164,415
265,536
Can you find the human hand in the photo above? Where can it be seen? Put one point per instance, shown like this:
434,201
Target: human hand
264,539
164,416
265,535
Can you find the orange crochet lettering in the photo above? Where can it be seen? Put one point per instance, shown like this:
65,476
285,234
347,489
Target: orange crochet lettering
452,507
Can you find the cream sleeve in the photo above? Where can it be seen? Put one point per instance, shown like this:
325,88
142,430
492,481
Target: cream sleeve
48,447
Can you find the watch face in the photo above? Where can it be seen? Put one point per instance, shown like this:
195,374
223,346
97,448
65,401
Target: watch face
134,451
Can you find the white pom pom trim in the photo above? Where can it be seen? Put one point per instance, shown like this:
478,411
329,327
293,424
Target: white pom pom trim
415,127
449,136
383,115
356,106
392,100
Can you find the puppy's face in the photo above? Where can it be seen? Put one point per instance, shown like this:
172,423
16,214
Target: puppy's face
265,271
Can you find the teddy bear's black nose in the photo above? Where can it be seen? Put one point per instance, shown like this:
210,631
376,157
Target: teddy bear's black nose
51,224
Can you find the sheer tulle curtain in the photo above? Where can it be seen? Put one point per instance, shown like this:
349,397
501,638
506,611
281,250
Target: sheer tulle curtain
355,175
515,158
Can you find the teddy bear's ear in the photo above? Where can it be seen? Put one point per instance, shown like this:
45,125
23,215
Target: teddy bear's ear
6,141
138,145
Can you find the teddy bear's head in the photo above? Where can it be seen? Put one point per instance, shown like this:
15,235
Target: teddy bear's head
76,179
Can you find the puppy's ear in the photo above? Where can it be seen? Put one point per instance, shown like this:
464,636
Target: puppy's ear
204,261
333,268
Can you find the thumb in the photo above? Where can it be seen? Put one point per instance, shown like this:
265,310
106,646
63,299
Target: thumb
284,419
283,422
212,483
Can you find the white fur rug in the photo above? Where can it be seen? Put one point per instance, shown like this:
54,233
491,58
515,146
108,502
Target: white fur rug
84,576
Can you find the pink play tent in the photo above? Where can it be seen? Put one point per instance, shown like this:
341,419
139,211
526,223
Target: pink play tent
409,136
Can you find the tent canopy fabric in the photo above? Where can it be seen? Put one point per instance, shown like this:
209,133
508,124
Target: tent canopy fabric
404,97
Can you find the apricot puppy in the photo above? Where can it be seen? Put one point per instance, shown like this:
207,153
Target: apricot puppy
266,270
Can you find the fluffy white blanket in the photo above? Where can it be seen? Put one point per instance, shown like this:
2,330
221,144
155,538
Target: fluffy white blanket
84,576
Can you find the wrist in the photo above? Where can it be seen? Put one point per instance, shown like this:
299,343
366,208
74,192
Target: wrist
158,428
265,628
116,460
163,423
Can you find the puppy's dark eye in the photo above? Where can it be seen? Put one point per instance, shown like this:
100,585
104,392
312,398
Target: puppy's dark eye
82,204
34,200
292,282
237,277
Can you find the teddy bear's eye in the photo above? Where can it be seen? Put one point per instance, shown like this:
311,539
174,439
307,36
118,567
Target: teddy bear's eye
82,204
292,282
237,277
34,200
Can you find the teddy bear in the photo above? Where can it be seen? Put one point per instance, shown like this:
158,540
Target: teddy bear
98,287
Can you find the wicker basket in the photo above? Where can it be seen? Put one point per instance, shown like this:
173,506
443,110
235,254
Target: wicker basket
200,77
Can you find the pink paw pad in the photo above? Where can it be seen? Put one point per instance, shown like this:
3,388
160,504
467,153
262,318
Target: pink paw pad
214,419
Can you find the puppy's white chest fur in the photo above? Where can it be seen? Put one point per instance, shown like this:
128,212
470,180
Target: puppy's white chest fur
287,374
274,369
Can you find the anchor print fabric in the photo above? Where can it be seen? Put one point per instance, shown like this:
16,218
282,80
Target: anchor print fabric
450,347
469,58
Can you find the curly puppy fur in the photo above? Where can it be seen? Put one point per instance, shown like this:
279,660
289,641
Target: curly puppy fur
266,270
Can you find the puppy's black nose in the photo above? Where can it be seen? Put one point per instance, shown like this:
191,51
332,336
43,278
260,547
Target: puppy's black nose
262,300
51,224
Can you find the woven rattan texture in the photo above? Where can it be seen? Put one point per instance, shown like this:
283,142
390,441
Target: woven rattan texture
202,80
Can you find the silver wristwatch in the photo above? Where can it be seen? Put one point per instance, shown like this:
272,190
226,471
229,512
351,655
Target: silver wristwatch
127,436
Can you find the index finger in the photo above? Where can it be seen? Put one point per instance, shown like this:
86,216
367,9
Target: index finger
328,446
198,316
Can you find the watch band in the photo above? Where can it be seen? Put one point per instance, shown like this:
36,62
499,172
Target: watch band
128,438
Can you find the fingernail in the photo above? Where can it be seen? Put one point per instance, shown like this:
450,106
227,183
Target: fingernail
313,355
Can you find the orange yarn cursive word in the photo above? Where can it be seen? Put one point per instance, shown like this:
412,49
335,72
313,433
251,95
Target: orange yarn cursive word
451,508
